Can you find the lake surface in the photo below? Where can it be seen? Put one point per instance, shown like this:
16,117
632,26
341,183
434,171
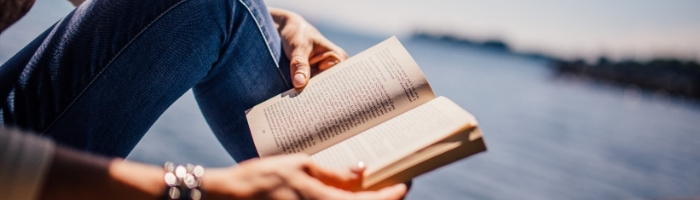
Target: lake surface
548,137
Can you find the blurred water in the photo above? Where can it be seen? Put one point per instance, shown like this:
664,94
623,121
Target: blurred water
548,137
568,29
553,138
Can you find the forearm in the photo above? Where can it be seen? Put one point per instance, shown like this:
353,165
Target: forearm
77,175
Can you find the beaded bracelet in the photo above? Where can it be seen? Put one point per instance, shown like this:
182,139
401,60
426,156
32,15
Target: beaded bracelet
183,181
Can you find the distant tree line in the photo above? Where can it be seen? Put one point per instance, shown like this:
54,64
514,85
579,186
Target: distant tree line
675,77
678,78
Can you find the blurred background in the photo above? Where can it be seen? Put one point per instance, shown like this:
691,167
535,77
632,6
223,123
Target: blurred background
590,99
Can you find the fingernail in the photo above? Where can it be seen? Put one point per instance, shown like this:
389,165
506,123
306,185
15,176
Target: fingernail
300,79
359,168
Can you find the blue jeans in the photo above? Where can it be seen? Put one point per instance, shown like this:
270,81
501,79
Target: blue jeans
99,78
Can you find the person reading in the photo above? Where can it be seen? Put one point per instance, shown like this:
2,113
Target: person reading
99,78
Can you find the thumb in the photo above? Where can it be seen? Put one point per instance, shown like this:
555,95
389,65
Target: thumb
343,179
300,68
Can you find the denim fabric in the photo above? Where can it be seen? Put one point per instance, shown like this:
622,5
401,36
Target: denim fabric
99,78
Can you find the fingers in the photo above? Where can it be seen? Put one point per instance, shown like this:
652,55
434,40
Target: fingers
300,68
326,60
327,55
305,46
314,189
301,63
350,179
330,46
323,183
397,191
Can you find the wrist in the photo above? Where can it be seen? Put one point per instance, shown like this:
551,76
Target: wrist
226,183
281,17
143,180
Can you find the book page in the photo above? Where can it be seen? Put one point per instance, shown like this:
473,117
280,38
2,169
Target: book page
399,137
465,143
361,92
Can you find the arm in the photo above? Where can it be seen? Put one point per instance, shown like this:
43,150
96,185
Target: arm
71,174
75,175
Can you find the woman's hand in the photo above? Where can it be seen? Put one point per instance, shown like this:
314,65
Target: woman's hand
304,46
289,177
78,175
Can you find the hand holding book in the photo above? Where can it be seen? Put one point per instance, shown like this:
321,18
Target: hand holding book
376,107
305,46
300,178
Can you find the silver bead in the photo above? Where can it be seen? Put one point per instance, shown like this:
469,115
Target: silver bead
190,181
195,194
198,171
169,167
189,168
180,171
174,193
171,180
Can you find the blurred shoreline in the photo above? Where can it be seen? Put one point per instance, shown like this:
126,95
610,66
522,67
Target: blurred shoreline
671,77
666,76
618,30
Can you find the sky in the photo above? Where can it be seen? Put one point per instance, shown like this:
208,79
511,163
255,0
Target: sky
618,29
568,29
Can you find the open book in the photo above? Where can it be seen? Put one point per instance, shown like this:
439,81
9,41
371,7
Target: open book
376,107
